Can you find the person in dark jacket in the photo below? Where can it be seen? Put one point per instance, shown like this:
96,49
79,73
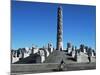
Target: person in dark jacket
89,54
61,66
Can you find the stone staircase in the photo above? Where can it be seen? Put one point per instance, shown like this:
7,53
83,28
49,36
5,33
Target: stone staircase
54,57
58,56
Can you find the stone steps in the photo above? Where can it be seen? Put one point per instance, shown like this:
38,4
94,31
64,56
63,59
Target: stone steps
57,56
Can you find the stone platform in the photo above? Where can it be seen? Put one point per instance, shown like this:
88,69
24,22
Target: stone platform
50,67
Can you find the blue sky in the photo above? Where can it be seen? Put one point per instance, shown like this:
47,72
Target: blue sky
36,23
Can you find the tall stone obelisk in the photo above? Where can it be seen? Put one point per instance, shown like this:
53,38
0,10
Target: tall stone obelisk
59,29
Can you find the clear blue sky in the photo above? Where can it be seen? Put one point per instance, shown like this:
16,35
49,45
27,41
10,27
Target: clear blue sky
36,23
